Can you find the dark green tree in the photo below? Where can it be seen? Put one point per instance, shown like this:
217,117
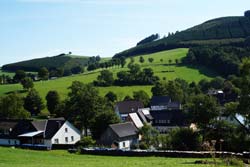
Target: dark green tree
105,78
202,109
170,88
19,76
185,139
150,60
123,61
102,121
149,135
11,107
83,104
141,59
141,96
27,83
53,100
43,73
111,96
33,102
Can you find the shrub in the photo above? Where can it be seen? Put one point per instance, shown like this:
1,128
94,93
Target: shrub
86,141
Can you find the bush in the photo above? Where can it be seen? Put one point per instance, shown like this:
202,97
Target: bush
86,141
185,139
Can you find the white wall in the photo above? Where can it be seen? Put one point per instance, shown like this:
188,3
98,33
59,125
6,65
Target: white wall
61,134
9,142
127,144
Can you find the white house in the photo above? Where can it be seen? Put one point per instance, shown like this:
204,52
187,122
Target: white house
44,133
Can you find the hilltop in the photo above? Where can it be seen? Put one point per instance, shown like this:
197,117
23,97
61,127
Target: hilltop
65,61
219,31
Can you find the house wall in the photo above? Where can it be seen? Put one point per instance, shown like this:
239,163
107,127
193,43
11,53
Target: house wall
124,144
9,142
62,135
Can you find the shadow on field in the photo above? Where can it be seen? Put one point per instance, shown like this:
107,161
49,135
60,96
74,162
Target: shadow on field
17,91
202,70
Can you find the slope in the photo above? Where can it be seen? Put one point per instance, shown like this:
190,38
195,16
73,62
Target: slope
160,68
61,61
222,31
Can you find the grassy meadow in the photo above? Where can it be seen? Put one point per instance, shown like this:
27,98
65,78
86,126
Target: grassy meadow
161,69
10,157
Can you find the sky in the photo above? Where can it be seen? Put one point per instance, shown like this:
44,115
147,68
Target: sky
40,28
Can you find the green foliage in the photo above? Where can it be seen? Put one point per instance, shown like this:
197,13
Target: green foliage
224,59
102,120
53,100
19,76
185,139
202,109
150,60
225,30
105,78
149,136
244,101
85,142
33,102
11,107
141,59
43,73
170,88
141,96
111,96
27,83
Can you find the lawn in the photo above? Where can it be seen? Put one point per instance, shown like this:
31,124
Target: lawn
160,68
10,157
11,74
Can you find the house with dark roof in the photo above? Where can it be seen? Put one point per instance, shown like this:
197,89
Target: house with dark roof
123,108
43,133
120,136
167,114
10,129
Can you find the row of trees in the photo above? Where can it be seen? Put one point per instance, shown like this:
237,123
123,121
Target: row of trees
135,76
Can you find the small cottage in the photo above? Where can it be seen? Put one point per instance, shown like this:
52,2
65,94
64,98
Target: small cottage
120,136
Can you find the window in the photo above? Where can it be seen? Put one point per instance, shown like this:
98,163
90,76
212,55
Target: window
66,130
124,144
66,139
56,141
72,138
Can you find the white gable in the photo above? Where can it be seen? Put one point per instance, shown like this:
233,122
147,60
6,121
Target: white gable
67,134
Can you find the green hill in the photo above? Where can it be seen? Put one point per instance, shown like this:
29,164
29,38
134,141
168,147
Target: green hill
160,68
61,61
222,31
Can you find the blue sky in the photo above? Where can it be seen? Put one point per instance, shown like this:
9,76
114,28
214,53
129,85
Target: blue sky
40,28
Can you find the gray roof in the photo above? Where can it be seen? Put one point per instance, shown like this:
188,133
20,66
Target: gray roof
126,107
50,126
160,100
124,129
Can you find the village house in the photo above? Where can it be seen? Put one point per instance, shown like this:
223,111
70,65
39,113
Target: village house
123,108
43,134
120,136
167,114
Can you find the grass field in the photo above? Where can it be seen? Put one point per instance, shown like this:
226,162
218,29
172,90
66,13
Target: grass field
28,158
160,68
11,74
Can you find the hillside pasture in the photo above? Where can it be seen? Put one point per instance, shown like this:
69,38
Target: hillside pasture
161,69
